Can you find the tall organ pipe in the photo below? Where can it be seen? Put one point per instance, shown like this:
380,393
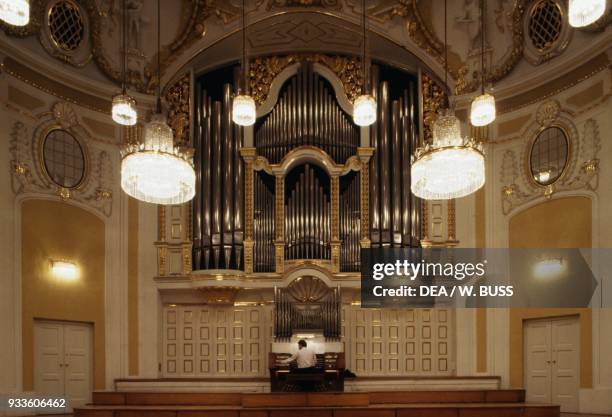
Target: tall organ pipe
385,178
396,154
374,166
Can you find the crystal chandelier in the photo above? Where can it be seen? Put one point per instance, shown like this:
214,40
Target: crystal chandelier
584,12
483,107
124,106
364,110
243,110
15,12
364,107
452,166
157,171
243,107
124,110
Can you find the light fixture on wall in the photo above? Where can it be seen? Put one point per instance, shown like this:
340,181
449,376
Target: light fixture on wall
549,267
584,12
483,106
64,270
124,106
157,171
243,106
452,166
15,12
364,107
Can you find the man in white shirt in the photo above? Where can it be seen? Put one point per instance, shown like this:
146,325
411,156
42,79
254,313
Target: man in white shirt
306,359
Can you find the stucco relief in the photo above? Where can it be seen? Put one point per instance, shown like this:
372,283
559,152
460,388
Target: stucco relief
27,168
582,166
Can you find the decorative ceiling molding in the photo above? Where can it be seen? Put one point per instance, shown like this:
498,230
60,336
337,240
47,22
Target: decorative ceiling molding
53,87
410,24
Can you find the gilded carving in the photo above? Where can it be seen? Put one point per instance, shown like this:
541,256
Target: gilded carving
451,239
219,295
263,70
178,98
161,261
434,98
161,223
282,4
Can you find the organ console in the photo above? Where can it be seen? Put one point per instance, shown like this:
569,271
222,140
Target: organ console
330,377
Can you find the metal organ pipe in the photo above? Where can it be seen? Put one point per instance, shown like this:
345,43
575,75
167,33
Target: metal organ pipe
385,183
396,238
228,197
394,211
306,113
216,185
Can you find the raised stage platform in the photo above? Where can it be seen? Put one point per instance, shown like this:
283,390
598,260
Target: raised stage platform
361,384
451,403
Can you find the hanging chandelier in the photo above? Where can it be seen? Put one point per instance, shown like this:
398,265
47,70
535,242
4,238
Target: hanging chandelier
451,166
157,171
483,107
584,12
15,12
364,107
244,111
124,106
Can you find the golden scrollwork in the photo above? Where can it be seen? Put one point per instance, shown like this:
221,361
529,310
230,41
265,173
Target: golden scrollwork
219,295
283,4
161,261
178,98
161,223
263,70
434,98
187,260
451,238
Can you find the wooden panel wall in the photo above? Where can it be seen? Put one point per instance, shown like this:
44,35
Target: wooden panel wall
401,342
209,341
205,341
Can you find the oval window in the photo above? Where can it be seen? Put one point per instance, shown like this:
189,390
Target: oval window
549,155
64,159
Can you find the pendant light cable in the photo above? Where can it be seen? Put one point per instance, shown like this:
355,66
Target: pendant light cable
244,59
445,48
482,45
158,105
363,54
123,43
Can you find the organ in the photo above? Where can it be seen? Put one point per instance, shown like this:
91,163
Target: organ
330,377
304,189
310,185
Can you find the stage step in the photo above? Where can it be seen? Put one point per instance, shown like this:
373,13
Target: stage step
464,403
375,410
307,399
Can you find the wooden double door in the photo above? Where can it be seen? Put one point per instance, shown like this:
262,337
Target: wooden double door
552,361
63,361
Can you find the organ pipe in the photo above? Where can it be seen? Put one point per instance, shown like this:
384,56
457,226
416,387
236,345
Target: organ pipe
218,221
307,113
394,211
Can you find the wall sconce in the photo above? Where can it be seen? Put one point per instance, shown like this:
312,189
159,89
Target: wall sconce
547,268
64,270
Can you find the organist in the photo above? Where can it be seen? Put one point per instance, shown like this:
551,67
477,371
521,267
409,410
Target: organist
305,358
